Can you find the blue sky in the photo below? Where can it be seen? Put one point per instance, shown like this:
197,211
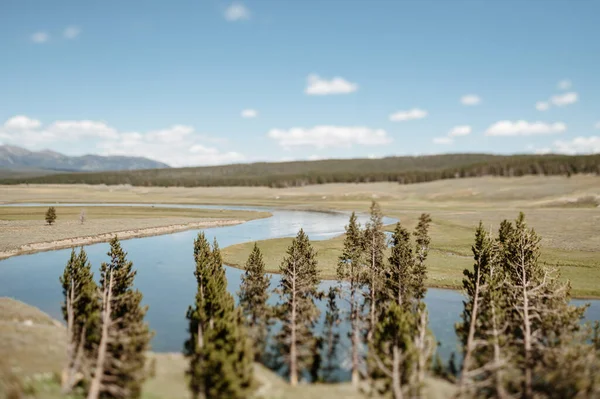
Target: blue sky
171,79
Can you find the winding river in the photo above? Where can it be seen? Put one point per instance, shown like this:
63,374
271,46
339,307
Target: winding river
165,272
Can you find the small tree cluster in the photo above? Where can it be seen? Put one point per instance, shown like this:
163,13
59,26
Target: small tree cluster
519,334
107,337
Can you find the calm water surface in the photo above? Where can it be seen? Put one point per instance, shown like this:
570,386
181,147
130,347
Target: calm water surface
165,273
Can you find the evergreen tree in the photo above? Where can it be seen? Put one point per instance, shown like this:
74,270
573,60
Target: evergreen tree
478,332
253,302
350,270
51,215
398,272
375,246
298,312
419,273
219,352
81,312
130,336
331,336
392,348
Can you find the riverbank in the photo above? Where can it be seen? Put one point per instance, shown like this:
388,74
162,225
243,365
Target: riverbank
23,230
33,351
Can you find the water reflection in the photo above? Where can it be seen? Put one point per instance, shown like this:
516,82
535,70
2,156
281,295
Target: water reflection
165,273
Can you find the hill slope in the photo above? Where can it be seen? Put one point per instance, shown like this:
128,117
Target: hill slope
16,159
395,169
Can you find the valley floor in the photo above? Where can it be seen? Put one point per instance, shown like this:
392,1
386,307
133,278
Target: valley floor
564,212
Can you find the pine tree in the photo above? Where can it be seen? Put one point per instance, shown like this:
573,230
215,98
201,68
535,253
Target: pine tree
253,296
398,272
81,313
392,348
218,350
473,330
124,368
331,335
298,312
375,246
538,313
350,271
419,273
51,215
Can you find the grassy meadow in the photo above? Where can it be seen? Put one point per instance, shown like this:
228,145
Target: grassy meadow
564,211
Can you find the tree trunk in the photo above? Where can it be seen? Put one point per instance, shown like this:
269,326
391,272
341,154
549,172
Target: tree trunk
470,337
94,391
293,353
372,318
355,340
497,368
396,383
528,391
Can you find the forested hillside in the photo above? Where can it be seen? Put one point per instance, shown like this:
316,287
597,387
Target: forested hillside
403,170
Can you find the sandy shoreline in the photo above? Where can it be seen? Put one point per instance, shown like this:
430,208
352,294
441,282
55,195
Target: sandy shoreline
104,237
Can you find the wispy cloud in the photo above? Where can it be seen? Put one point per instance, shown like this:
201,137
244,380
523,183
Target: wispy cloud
71,32
524,128
443,140
237,12
329,136
249,113
320,87
415,113
561,100
564,84
458,131
470,99
597,125
40,37
578,145
542,106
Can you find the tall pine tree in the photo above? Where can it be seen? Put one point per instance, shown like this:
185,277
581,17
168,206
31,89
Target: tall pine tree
374,239
298,312
132,335
81,312
254,293
219,352
350,271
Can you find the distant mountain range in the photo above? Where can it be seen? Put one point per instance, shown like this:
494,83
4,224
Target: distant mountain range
20,159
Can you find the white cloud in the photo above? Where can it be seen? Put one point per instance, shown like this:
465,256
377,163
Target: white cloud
237,12
542,106
561,100
542,151
524,128
443,140
21,122
597,125
321,87
458,131
414,113
81,129
470,99
178,145
249,113
329,136
564,84
40,37
71,32
578,145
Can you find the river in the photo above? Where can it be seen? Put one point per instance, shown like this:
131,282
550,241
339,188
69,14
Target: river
165,272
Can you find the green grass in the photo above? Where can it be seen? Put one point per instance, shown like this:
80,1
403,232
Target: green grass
451,240
125,212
